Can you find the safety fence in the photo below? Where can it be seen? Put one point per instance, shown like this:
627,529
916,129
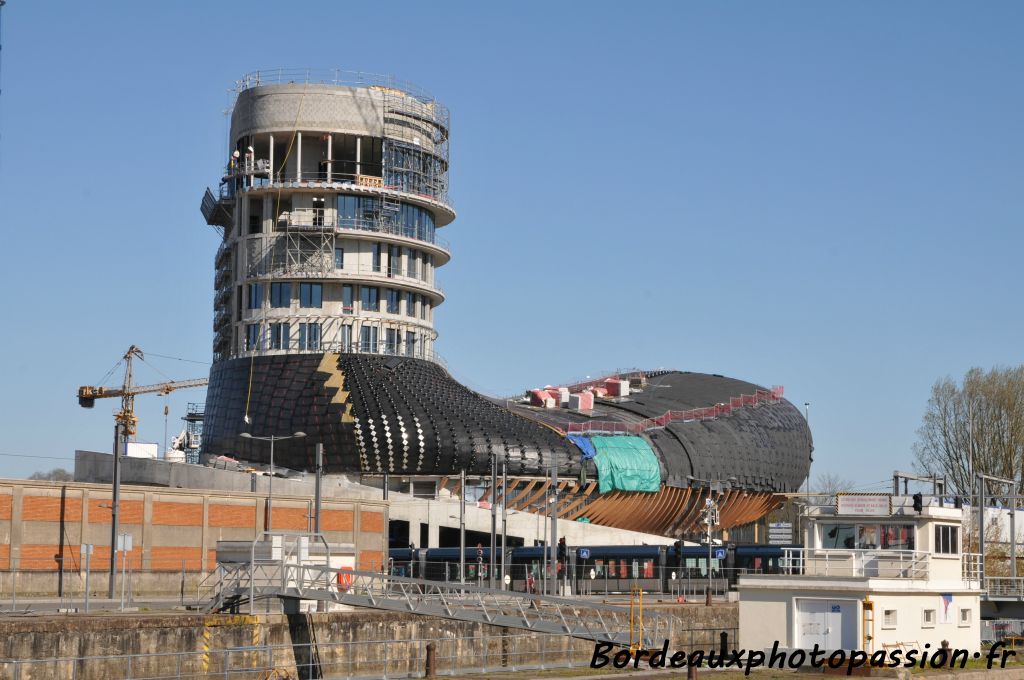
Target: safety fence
448,656
995,630
772,396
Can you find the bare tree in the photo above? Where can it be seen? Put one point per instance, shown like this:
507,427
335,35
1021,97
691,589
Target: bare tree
974,427
831,484
54,475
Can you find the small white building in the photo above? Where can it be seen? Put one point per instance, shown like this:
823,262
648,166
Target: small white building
874,574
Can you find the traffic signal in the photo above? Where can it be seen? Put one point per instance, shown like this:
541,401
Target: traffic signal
679,552
918,502
562,549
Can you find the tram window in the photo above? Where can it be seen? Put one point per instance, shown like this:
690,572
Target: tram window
648,568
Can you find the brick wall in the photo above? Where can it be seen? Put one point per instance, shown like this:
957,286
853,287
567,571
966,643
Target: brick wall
43,524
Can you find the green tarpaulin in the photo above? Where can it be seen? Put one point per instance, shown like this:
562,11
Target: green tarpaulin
626,464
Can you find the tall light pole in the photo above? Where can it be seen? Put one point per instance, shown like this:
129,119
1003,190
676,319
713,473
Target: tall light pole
715,488
270,485
807,418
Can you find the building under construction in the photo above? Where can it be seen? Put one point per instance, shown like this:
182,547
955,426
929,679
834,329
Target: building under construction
333,193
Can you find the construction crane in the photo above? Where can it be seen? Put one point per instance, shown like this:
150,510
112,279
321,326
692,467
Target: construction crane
125,420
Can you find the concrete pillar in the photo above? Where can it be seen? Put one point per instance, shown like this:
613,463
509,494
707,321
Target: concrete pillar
271,160
359,154
16,525
147,528
330,157
204,540
298,156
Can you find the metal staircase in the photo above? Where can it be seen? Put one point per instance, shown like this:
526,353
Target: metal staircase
242,584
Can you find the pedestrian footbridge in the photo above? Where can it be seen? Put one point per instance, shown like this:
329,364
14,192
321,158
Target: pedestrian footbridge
281,574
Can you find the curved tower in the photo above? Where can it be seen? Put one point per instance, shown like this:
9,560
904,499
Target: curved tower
330,204
334,189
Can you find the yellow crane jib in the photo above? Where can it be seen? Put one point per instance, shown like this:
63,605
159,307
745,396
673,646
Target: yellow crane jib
125,418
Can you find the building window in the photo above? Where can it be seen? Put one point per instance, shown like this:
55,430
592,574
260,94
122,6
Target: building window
256,216
370,298
339,258
376,256
255,295
947,539
410,263
424,309
280,295
279,335
346,338
252,337
368,339
410,344
392,297
318,211
394,261
346,299
928,618
410,304
965,617
428,265
311,295
309,336
391,341
889,618
238,306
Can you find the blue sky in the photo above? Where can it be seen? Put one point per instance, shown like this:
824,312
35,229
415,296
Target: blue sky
825,196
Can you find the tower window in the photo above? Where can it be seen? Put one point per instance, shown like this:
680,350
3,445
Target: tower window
252,336
255,295
279,335
346,299
410,304
280,295
339,258
392,301
376,257
309,336
311,295
370,298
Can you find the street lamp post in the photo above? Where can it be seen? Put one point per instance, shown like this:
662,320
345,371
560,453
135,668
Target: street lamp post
716,486
270,484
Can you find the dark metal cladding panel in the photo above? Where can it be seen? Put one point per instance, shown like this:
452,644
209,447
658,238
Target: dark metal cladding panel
765,447
408,417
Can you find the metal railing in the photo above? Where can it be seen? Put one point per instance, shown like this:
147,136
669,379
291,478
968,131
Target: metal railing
235,182
314,221
1004,586
857,563
241,585
771,396
337,77
354,347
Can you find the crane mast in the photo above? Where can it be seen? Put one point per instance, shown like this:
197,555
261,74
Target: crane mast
125,420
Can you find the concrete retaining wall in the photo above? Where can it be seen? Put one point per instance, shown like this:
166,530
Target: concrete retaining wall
198,645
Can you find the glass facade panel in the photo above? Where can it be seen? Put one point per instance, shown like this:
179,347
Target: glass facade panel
311,295
309,336
377,247
368,339
279,336
339,258
410,304
280,295
370,298
255,295
392,297
391,341
252,336
346,299
410,343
